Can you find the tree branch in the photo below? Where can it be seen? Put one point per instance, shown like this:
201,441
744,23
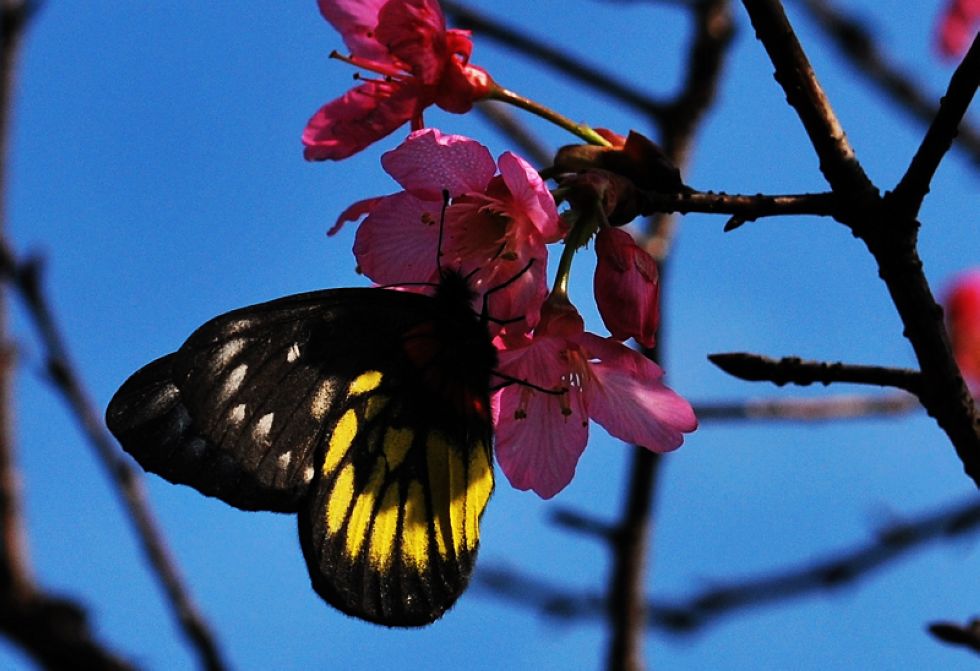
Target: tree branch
967,636
793,370
730,596
808,409
857,43
914,185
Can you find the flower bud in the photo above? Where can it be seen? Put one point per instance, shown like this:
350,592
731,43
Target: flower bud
627,290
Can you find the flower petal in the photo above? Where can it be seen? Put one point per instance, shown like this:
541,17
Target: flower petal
356,20
397,243
357,119
428,162
354,212
530,195
627,396
414,31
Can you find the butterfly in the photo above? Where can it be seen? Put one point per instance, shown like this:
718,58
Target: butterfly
366,411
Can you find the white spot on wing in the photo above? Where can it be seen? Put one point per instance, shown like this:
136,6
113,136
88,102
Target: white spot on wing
223,356
233,382
237,414
308,474
237,326
293,353
321,398
284,459
261,429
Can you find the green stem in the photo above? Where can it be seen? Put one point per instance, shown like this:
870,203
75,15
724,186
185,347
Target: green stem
582,130
580,234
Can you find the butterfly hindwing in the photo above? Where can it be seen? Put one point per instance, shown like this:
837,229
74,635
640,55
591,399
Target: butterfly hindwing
392,530
365,410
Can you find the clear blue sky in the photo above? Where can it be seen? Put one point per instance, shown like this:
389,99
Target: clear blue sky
157,166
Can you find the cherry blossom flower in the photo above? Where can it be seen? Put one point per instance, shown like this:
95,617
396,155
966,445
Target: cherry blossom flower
627,290
963,321
419,62
957,26
540,435
495,229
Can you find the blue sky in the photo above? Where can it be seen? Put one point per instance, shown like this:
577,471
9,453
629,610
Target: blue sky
157,167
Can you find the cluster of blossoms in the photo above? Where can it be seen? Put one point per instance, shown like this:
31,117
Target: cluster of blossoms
495,231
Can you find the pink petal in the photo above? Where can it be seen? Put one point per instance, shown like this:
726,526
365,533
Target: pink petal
398,241
355,212
356,20
627,396
530,195
357,119
540,450
414,31
428,162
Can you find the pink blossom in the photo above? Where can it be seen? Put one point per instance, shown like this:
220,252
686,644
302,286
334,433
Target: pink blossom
495,231
419,62
963,321
957,27
627,290
540,436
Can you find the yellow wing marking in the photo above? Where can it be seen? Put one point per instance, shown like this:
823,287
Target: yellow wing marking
457,499
365,382
360,517
437,459
340,498
383,531
415,527
478,488
375,404
396,444
340,440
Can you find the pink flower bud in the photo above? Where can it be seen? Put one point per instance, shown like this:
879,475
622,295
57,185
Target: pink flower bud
627,290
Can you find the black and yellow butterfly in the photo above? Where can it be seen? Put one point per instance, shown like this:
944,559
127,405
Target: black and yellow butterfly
365,411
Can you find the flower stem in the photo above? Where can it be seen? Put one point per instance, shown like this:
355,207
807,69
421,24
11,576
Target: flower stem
582,130
580,234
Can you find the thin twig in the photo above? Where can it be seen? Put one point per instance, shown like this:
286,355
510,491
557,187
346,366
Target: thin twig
914,185
838,407
603,82
858,44
793,370
26,277
967,636
727,597
743,207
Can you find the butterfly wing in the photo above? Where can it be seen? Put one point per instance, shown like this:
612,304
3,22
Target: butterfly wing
365,410
238,411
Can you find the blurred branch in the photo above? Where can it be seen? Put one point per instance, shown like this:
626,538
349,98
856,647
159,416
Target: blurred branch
857,43
54,631
850,406
793,370
501,117
26,277
726,597
742,207
914,185
967,636
534,47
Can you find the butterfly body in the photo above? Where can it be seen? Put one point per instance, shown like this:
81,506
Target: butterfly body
365,411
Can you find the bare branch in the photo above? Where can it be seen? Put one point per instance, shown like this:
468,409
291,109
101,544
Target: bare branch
967,636
26,277
838,163
837,407
535,48
793,370
914,185
858,44
743,207
846,567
